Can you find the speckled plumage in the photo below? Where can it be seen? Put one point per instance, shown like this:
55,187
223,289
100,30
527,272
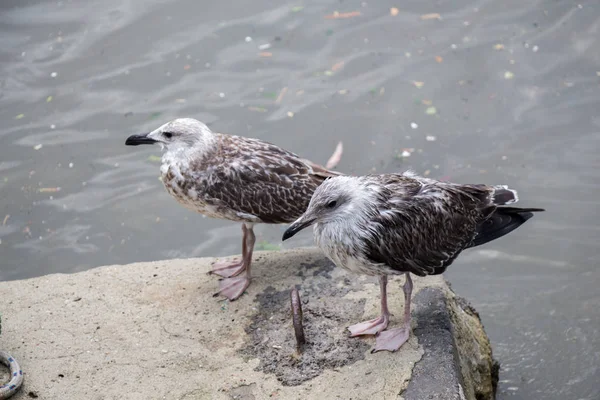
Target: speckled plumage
235,178
243,179
402,223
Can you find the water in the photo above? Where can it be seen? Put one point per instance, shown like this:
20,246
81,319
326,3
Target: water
516,91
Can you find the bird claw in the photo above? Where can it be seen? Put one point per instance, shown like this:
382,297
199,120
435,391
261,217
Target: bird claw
228,268
233,288
371,327
391,340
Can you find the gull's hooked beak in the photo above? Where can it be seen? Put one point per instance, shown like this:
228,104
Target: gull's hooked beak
297,226
135,140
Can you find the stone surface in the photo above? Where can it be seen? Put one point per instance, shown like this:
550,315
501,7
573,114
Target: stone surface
154,331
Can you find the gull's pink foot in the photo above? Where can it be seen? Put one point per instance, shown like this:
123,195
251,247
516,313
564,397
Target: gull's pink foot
232,288
228,268
369,327
391,340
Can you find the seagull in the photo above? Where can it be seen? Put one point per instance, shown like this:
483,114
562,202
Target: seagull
234,178
394,224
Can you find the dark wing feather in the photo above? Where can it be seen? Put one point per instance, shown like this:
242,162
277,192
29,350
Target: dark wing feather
423,231
263,180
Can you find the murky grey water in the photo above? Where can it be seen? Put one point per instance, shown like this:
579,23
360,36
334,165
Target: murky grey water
515,91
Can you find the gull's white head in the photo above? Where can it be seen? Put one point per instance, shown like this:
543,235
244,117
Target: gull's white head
337,200
177,135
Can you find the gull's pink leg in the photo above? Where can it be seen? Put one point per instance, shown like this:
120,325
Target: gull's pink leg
229,268
393,339
376,325
234,287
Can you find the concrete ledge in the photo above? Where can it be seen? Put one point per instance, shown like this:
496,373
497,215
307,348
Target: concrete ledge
154,331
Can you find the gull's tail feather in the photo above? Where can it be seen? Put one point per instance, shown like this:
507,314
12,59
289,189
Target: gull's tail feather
502,221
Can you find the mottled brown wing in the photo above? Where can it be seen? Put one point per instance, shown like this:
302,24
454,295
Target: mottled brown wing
424,235
264,180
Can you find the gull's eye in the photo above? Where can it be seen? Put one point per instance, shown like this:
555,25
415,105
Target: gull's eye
168,135
332,204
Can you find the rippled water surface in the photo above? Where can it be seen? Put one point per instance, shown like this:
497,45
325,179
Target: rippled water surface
486,91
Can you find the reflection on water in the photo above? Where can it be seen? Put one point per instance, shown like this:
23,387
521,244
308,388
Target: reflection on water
496,92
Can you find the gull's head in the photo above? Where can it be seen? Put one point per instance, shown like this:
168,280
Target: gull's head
178,134
335,200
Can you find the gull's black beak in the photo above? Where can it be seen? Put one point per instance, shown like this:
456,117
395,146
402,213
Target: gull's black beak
296,227
135,140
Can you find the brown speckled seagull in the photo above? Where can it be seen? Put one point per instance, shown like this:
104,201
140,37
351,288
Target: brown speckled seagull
235,178
401,224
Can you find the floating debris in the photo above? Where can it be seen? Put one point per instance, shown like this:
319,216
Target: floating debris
438,59
297,8
265,54
339,15
54,74
264,46
38,146
418,84
187,66
499,46
535,49
394,11
335,157
425,17
414,125
221,95
405,153
49,190
257,109
431,111
430,138
52,126
19,116
337,66
48,99
248,39
154,158
70,165
290,114
281,95
5,219
508,75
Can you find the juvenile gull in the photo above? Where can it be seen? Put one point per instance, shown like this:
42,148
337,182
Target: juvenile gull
401,224
235,178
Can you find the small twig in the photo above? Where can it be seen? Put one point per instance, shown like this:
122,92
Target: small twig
297,319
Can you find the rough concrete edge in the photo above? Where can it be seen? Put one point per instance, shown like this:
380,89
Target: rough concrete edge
457,363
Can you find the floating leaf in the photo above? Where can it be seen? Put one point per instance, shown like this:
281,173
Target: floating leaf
19,116
425,17
257,109
48,99
297,8
508,75
499,46
418,84
153,158
155,115
49,190
335,157
337,66
431,111
339,15
270,95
